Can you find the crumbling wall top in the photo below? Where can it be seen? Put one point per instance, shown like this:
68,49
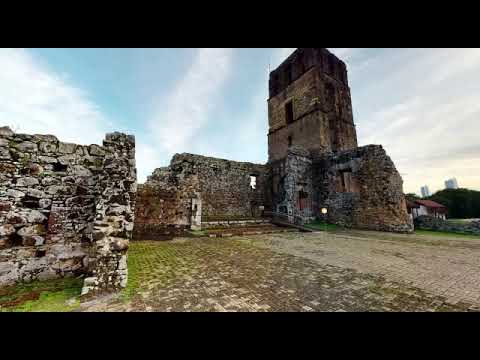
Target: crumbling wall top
302,60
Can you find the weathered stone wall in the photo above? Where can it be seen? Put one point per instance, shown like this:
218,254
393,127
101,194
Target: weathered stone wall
52,196
361,188
433,223
291,186
222,186
163,208
320,99
114,215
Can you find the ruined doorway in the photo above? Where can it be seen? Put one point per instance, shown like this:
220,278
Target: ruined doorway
303,202
196,213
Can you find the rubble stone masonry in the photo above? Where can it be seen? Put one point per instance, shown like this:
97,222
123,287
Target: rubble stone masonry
166,202
66,209
361,188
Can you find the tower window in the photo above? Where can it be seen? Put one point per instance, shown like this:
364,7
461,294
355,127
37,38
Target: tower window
289,112
290,141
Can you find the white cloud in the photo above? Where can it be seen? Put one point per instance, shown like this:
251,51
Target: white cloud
34,99
186,110
425,110
178,118
147,159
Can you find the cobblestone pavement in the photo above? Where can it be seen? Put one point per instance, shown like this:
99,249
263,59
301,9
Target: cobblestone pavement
349,271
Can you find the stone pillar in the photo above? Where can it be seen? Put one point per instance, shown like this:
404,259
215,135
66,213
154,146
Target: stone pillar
196,220
114,217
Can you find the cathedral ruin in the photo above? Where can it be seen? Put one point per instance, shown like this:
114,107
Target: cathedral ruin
314,162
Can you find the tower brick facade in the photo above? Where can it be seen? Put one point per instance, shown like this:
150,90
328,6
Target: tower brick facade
309,105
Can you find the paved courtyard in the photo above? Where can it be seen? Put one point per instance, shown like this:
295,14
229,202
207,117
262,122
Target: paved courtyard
342,271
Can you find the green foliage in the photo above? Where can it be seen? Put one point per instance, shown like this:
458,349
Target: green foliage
25,161
152,263
42,296
198,233
320,225
412,196
461,203
98,162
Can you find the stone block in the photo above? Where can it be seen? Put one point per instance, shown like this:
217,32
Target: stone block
6,131
66,148
27,146
27,181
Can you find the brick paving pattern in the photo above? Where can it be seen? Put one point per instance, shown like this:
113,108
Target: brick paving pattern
347,271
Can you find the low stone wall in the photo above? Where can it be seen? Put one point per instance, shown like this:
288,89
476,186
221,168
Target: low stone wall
432,223
65,209
234,223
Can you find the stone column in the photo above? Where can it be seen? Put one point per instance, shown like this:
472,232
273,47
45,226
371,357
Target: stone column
114,219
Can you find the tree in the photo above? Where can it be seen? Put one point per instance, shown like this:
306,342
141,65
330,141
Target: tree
461,203
412,196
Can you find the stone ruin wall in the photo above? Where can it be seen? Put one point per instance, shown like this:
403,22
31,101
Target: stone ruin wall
222,186
290,178
66,209
370,195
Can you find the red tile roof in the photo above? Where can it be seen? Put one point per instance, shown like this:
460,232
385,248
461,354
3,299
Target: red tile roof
412,204
429,204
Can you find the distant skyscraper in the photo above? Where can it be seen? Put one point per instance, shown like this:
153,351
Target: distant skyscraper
451,184
425,191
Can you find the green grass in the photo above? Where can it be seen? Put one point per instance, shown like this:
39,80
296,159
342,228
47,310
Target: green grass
152,262
57,295
460,221
319,225
199,233
446,234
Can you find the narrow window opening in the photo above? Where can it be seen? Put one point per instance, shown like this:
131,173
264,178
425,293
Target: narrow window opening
253,182
289,141
289,112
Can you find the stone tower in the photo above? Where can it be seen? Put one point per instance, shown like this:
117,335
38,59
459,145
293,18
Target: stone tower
309,105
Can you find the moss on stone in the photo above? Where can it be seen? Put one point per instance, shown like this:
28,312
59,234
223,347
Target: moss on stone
58,295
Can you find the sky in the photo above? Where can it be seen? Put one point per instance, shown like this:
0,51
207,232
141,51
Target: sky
422,105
